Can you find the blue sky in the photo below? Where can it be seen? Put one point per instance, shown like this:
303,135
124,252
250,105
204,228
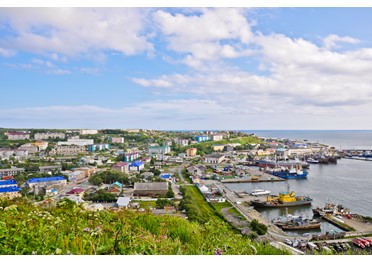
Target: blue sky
186,68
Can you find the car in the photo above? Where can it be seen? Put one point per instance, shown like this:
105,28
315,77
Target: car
288,242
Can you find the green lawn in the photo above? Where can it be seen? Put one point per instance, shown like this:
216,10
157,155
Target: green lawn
147,204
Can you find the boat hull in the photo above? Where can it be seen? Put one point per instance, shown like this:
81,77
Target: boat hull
276,204
303,227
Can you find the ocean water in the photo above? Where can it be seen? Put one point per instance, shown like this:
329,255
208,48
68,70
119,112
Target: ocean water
349,182
340,139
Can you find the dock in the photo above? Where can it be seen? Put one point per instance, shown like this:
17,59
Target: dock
255,176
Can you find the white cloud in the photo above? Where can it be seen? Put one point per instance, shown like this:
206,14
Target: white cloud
6,52
75,31
59,72
330,42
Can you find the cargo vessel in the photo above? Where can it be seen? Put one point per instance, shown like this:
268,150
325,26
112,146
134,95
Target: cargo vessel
285,199
296,223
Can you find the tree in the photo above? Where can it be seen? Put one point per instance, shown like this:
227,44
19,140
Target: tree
260,228
162,202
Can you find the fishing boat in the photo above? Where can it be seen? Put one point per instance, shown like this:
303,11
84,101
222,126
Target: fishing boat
273,163
285,199
260,192
312,161
291,173
330,208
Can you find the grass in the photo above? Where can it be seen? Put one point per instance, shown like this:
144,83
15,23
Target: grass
147,204
232,210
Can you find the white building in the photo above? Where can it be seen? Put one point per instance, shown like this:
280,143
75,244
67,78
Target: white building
88,132
182,142
214,158
31,148
217,137
69,150
77,142
18,135
11,171
6,153
48,135
153,150
118,140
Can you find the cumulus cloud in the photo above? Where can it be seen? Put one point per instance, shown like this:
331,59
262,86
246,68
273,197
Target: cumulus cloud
6,52
75,31
330,42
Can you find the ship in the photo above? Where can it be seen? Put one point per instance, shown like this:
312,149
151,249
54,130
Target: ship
312,161
296,223
291,173
285,199
260,192
272,163
330,208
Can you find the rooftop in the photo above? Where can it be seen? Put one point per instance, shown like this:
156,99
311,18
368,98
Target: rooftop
8,182
45,179
9,189
151,186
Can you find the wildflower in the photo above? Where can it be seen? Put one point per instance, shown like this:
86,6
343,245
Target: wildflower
58,251
217,251
87,229
34,253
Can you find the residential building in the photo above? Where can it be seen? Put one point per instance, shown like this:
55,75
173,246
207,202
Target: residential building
117,140
18,135
68,150
8,183
121,167
48,135
228,148
10,171
217,137
45,169
150,189
88,132
75,175
87,170
77,142
175,159
197,170
130,157
98,147
46,181
191,151
123,202
182,142
201,138
218,147
42,145
115,188
10,192
154,150
214,158
30,148
136,166
6,153
76,191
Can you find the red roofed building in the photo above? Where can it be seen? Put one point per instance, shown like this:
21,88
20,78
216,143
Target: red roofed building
77,191
121,167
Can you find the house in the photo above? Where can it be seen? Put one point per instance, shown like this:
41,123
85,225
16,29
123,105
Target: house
166,176
42,145
121,167
214,158
136,166
217,137
182,142
76,191
115,188
197,170
150,189
87,170
123,202
75,175
175,159
228,148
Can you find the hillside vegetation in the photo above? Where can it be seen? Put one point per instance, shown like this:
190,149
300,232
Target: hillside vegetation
69,229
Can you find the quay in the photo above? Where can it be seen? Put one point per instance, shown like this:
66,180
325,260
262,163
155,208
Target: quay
255,176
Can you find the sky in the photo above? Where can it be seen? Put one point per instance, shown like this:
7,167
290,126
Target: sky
186,68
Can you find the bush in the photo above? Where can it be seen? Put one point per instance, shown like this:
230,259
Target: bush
260,228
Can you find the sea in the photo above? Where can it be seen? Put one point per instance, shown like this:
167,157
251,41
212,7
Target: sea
349,182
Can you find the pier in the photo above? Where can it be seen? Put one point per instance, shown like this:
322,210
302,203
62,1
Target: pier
255,176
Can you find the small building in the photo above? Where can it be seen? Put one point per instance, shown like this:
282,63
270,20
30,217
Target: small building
218,147
121,167
154,150
228,148
115,188
214,158
11,171
147,175
76,191
136,166
87,170
123,202
166,176
191,151
150,189
18,135
217,137
30,147
182,142
41,145
88,132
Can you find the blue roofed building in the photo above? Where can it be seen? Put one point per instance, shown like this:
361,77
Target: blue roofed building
136,166
10,192
44,181
166,176
8,183
201,138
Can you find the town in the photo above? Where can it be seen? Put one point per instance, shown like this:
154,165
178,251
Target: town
161,172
